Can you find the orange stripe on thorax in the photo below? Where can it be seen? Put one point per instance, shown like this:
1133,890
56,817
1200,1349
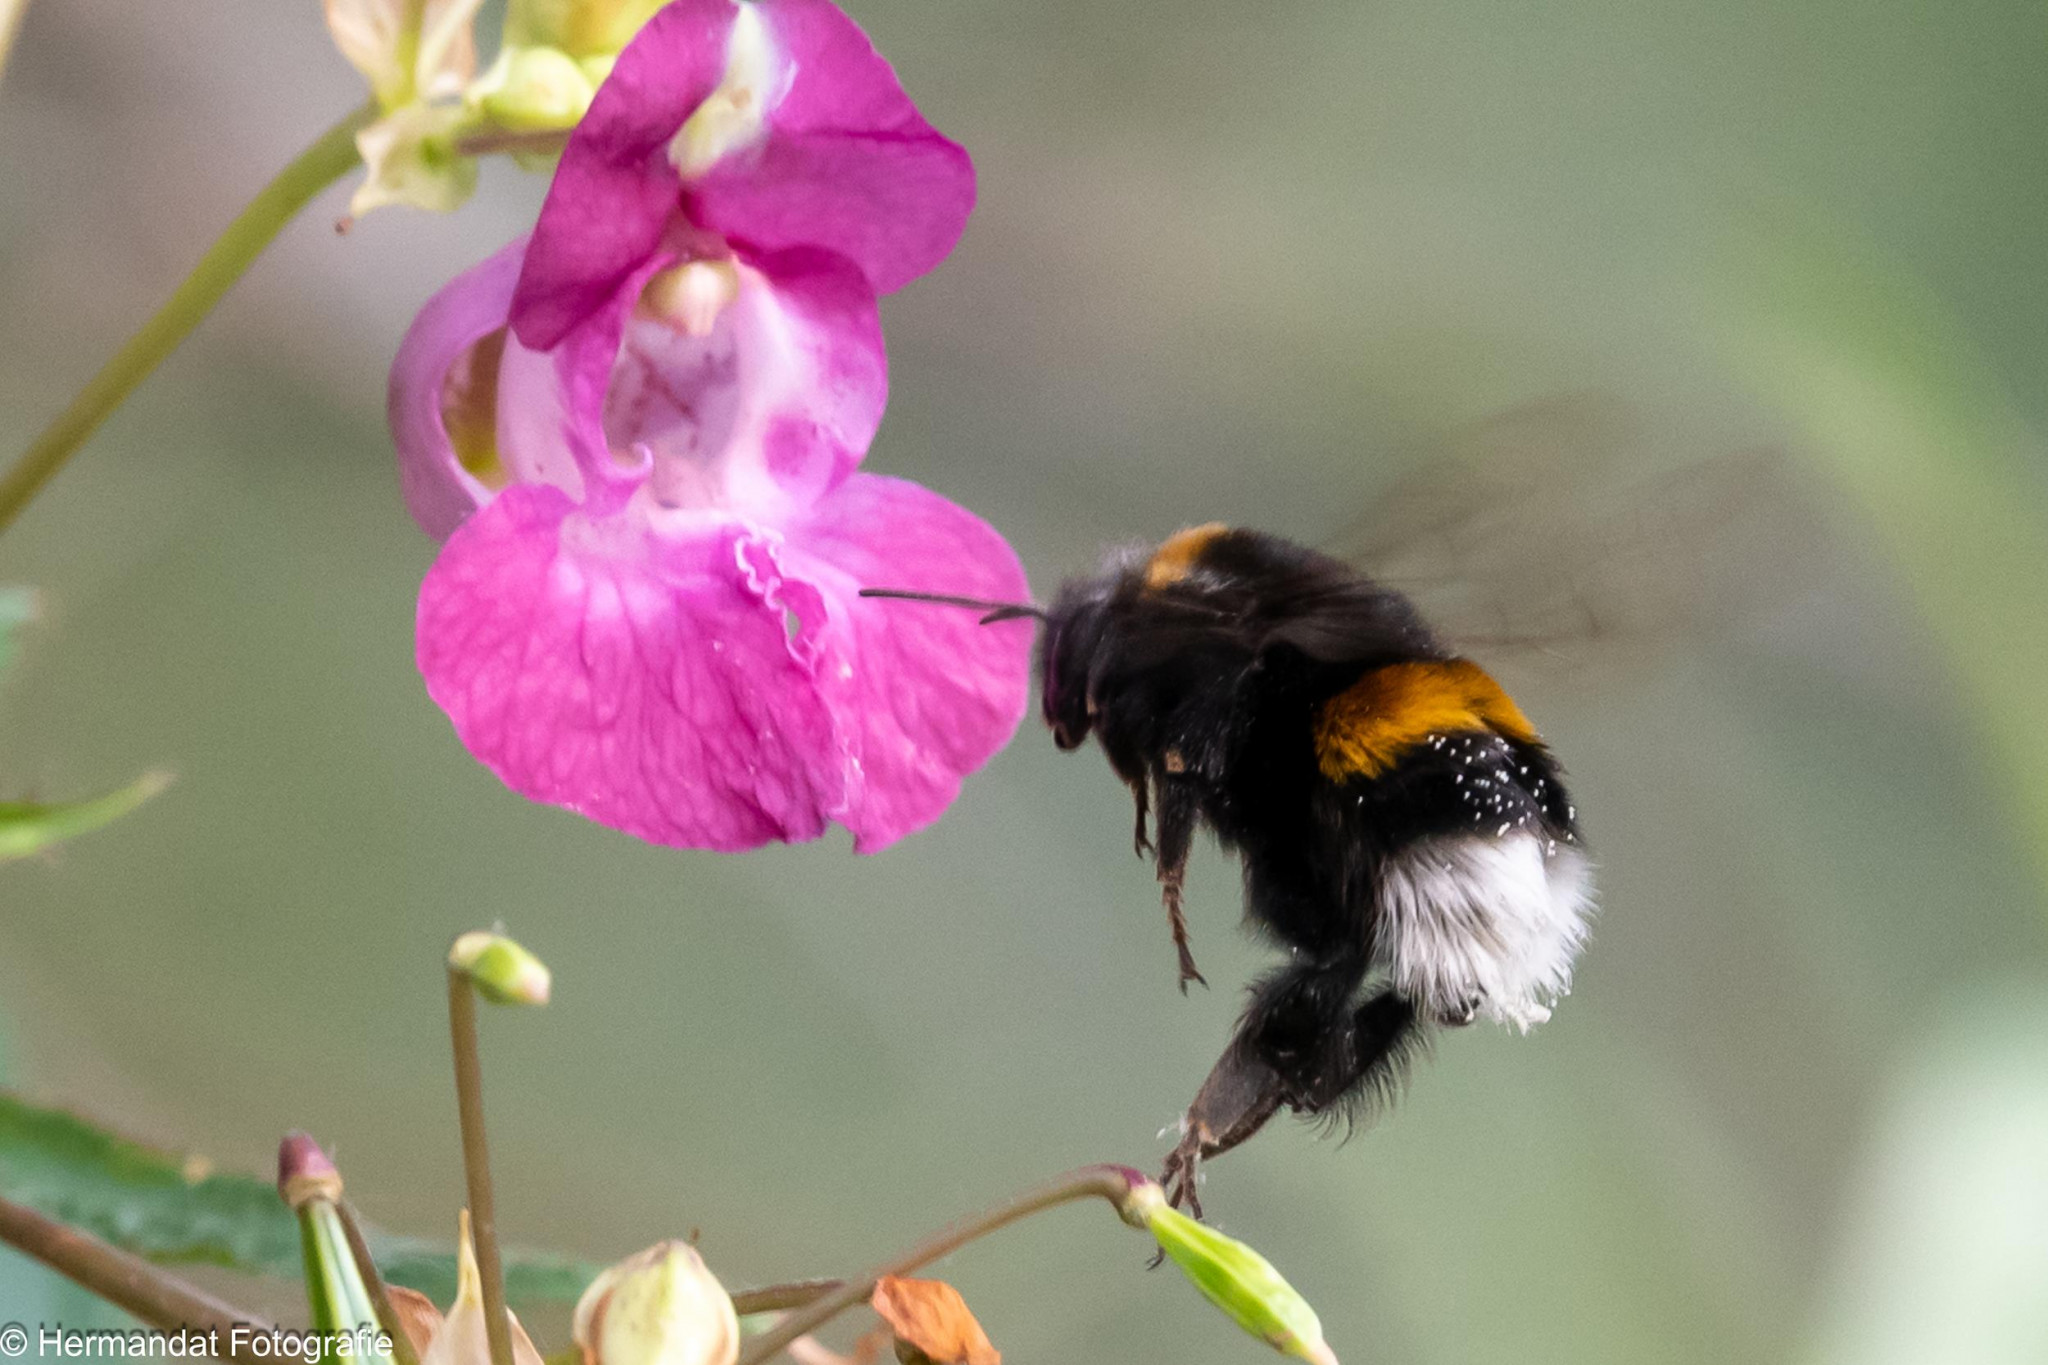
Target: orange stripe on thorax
1364,729
1175,559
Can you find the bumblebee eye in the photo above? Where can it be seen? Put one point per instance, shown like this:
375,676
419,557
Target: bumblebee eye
1063,684
1070,722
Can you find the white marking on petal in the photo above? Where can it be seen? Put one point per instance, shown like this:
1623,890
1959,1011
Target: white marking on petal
735,115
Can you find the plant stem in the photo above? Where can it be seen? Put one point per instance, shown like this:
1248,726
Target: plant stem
11,12
125,1280
1106,1182
402,1352
777,1298
486,141
476,1161
233,252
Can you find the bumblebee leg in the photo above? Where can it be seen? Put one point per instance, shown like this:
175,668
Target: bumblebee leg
1177,920
1175,825
1302,1045
1281,1052
1242,1092
1370,1058
1141,840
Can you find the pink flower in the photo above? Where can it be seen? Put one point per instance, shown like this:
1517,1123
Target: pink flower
771,122
639,432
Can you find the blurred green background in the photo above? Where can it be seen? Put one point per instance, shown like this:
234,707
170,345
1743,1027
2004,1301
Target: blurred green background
1231,262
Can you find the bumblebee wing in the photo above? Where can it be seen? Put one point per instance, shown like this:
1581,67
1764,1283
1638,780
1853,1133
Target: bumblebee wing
1554,536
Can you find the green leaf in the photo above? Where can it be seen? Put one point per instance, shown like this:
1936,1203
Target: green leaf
31,826
28,827
172,1210
429,1266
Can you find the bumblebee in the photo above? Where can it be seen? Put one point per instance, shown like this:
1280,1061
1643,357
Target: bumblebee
1397,816
1405,834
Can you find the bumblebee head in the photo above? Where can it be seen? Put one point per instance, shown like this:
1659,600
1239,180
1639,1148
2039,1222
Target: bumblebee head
1068,648
1089,625
1090,621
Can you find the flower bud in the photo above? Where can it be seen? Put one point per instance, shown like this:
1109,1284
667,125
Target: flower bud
336,1294
661,1307
581,28
533,89
304,1172
1232,1276
504,972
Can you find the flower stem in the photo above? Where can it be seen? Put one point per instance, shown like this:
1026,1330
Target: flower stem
476,1161
233,252
1106,1182
775,1298
486,141
402,1352
125,1280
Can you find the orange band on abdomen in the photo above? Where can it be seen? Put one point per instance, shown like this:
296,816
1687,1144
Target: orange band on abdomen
1364,729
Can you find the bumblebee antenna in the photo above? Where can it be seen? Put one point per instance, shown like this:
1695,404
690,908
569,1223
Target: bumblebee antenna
997,611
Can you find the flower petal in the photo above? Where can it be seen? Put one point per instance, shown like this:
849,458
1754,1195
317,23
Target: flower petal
654,687
752,406
447,369
848,163
932,1318
925,693
463,1338
771,407
417,1316
551,405
371,34
614,190
409,157
447,47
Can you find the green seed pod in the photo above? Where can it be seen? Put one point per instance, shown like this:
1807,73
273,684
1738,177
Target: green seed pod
1232,1276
